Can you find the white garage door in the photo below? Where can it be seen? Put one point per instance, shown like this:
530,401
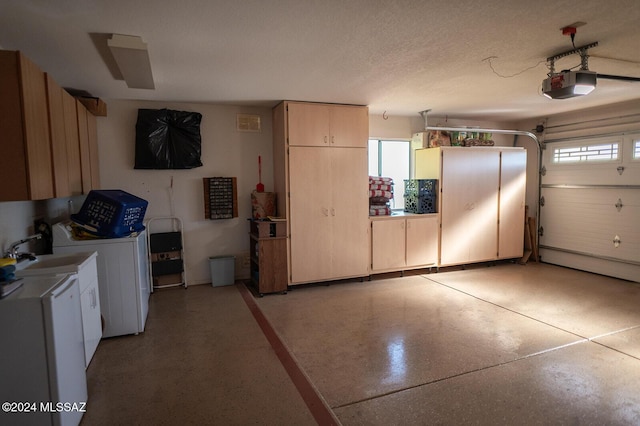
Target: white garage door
590,204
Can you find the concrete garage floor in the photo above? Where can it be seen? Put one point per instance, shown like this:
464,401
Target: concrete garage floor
506,344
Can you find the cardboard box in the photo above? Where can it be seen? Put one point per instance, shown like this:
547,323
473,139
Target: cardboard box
95,106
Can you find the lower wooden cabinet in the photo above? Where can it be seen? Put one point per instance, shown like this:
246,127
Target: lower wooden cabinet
404,242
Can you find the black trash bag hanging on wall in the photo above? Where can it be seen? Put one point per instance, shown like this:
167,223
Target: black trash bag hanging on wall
168,139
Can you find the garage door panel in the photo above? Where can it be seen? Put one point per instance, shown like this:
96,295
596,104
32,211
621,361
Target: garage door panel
586,220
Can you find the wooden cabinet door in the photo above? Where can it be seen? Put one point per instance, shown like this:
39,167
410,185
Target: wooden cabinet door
308,124
309,213
328,213
388,244
513,181
469,203
85,148
25,162
92,135
349,126
73,143
36,125
349,212
422,240
58,138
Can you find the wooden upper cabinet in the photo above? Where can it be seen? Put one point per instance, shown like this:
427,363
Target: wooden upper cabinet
311,124
349,126
25,163
49,140
308,124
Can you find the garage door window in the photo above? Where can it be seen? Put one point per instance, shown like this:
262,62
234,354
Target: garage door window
585,153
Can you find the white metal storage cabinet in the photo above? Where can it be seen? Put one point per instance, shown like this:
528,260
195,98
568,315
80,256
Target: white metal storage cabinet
481,201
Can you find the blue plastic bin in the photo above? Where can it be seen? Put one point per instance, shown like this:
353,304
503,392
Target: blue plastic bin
111,213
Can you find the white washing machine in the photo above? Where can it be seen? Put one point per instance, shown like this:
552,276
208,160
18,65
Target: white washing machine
123,277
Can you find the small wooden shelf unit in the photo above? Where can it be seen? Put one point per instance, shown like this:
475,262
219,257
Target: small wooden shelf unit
268,253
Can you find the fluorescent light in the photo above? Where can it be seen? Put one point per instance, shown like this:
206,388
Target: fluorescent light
569,84
582,89
132,57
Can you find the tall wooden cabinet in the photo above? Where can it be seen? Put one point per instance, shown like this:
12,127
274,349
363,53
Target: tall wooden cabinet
481,201
320,167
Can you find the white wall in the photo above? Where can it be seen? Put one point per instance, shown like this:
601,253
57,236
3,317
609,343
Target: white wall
16,221
225,152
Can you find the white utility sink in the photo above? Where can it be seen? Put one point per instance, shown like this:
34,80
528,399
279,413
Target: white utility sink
54,264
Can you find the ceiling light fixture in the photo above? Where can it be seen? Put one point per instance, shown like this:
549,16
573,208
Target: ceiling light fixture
569,84
132,57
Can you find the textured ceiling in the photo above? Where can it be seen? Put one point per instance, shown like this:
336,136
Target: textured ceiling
397,56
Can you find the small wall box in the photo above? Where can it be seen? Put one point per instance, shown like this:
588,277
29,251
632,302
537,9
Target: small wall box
268,228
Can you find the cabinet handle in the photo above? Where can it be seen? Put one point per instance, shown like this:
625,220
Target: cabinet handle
325,139
333,139
325,211
333,212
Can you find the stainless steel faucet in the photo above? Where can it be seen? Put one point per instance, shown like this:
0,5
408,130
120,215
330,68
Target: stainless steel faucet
13,253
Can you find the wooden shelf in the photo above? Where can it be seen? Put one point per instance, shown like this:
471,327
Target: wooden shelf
268,260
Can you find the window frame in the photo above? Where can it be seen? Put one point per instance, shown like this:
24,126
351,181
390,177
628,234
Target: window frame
549,152
587,153
397,195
